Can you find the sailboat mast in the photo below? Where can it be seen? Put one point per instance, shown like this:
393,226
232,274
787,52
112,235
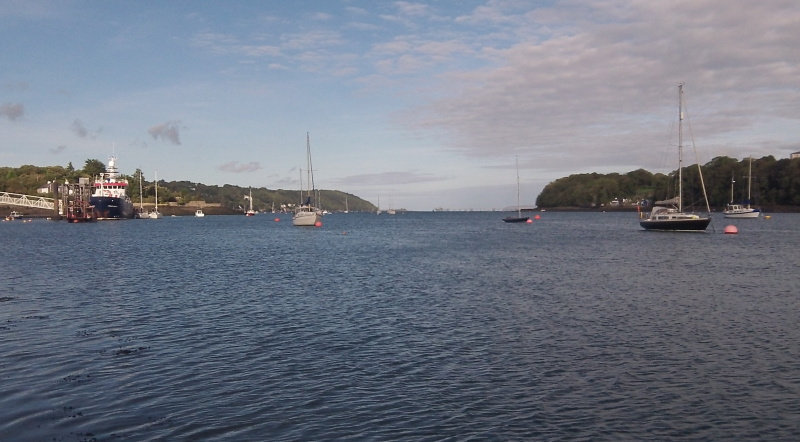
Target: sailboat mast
301,187
155,177
749,178
680,147
310,172
519,210
141,200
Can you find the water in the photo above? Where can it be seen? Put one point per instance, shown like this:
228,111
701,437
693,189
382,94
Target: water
418,326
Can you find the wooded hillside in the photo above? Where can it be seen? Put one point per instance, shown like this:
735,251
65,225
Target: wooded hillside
27,179
774,183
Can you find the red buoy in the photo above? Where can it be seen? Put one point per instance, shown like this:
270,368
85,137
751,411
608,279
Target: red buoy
318,224
277,219
537,217
731,230
529,221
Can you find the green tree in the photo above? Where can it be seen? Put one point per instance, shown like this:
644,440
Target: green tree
93,168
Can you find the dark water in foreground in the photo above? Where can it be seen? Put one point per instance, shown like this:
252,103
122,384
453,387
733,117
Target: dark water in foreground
420,326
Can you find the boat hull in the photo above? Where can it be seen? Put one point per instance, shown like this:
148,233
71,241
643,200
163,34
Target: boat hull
306,219
110,208
744,213
512,219
676,225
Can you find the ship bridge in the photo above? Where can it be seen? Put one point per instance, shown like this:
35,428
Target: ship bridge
17,199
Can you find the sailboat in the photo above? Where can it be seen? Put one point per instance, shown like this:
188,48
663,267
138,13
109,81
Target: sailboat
668,214
391,211
519,218
742,210
250,212
155,214
307,214
141,214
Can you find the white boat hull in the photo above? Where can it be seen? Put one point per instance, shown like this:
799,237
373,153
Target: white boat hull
307,219
741,213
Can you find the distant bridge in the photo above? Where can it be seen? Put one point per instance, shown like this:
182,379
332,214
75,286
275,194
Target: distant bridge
17,199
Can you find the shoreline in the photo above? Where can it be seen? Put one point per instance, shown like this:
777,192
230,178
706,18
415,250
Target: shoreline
714,210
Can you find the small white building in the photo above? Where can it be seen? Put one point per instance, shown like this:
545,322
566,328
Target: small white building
794,155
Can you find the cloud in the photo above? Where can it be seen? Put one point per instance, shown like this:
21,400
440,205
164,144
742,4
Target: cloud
356,11
79,129
579,93
58,149
12,111
235,167
167,131
19,86
388,179
284,183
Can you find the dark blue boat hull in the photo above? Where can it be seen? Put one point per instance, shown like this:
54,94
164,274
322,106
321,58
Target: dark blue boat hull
111,208
688,225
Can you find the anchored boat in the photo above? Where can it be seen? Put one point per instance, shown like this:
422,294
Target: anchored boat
109,195
669,214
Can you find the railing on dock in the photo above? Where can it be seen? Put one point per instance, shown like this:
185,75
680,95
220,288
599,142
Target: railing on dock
17,199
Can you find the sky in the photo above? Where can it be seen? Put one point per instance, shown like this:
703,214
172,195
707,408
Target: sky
414,104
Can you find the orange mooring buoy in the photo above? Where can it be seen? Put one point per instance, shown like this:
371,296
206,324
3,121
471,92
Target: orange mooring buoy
731,230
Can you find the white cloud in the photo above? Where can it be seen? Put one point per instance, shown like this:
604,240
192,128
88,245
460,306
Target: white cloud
387,179
235,167
602,91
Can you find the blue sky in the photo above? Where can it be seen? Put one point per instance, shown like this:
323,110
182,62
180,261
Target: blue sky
420,104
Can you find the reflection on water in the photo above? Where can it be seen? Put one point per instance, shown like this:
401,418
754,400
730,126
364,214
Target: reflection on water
416,326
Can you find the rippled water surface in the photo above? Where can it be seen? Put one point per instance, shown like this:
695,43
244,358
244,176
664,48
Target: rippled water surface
418,326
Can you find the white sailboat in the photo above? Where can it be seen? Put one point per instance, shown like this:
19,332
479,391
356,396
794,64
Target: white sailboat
250,212
142,213
307,215
668,214
742,210
391,210
519,218
199,213
155,214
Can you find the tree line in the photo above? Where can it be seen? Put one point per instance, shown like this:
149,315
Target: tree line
774,183
28,179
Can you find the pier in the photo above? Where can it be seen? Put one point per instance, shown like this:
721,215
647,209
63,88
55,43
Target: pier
70,202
